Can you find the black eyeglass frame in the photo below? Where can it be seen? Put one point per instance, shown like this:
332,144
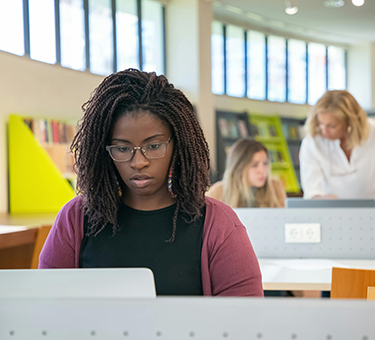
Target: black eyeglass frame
140,148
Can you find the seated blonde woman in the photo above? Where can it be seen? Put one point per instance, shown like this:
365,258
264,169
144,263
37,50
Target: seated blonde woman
246,181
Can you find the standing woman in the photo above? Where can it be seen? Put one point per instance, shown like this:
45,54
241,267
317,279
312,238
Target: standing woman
142,167
246,181
337,157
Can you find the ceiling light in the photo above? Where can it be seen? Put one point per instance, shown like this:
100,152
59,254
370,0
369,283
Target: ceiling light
278,23
218,4
234,9
291,10
254,16
334,3
358,2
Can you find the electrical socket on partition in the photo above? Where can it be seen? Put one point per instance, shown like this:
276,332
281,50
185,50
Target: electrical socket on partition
302,233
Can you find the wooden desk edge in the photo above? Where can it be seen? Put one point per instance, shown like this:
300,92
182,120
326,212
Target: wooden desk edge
296,286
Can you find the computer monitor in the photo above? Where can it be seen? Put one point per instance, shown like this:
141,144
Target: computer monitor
293,202
77,283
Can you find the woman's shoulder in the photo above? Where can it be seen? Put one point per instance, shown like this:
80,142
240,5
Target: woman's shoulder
277,183
72,210
216,191
279,191
219,211
310,141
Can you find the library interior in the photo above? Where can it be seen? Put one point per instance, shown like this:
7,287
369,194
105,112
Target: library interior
239,126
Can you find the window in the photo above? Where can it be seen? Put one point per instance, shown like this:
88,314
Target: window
152,37
127,34
101,37
42,37
298,76
235,50
317,72
276,69
42,30
72,30
217,58
256,65
296,71
11,22
336,68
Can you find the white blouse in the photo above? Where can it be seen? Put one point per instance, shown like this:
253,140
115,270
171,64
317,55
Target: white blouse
326,170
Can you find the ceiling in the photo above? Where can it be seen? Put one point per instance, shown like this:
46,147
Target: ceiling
345,25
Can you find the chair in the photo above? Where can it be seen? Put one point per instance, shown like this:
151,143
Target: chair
370,293
41,236
16,247
351,283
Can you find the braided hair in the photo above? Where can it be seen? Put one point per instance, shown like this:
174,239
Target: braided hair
98,181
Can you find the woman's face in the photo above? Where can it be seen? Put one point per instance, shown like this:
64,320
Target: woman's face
258,170
331,127
145,179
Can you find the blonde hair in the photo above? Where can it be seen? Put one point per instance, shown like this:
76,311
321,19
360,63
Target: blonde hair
344,107
236,189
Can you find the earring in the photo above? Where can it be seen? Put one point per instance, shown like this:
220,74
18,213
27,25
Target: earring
119,191
349,129
170,183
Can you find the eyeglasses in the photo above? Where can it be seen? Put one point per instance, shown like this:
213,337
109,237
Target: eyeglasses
124,153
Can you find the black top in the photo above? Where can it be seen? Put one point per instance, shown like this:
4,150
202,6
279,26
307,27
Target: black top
140,242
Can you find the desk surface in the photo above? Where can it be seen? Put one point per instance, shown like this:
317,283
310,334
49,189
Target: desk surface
27,220
304,274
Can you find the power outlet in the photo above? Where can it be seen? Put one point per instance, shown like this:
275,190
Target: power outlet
302,233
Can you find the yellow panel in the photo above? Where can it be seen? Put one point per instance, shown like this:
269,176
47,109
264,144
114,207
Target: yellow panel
35,183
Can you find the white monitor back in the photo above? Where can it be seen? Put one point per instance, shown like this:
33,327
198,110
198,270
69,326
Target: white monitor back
187,319
77,283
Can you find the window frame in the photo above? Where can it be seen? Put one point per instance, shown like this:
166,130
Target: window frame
287,66
26,38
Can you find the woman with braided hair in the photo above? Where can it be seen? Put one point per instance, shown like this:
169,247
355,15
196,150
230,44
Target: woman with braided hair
142,166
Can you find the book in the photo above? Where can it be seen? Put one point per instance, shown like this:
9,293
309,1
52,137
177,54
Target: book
263,131
293,132
242,129
279,156
232,128
223,127
272,131
254,130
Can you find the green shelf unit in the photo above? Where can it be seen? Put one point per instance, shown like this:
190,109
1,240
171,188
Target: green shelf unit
268,131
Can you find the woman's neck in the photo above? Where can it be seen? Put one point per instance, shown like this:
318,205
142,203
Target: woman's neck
343,145
147,203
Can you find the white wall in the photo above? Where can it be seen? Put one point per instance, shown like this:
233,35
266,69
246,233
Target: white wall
226,103
361,74
189,59
32,88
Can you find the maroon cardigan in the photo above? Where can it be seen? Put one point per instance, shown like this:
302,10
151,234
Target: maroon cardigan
228,263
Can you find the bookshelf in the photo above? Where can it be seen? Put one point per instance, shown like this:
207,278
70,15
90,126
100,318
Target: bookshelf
230,126
268,131
293,130
41,179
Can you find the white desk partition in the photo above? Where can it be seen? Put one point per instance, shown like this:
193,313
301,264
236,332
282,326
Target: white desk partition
187,318
77,283
304,274
345,233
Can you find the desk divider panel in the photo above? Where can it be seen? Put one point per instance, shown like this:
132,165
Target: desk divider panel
187,319
345,233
